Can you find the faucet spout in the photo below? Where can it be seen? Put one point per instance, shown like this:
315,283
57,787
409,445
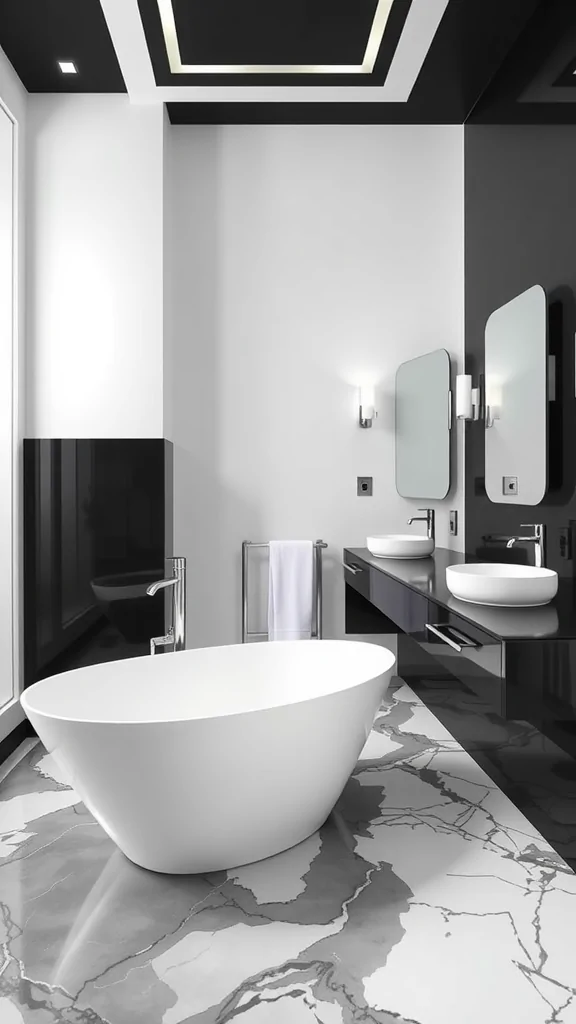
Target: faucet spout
429,519
161,585
538,539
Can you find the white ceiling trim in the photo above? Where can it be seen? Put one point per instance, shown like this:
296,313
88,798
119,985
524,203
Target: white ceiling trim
420,27
125,27
127,33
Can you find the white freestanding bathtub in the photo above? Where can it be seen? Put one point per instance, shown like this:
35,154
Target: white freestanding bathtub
211,758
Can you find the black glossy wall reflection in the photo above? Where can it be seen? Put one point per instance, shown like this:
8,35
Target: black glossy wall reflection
520,230
97,528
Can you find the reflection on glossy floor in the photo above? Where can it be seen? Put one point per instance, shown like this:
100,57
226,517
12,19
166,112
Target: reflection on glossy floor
427,897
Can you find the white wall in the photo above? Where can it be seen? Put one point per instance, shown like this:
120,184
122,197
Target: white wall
13,109
304,260
95,288
15,98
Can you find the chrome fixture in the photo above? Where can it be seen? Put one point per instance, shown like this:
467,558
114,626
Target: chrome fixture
538,539
458,644
176,635
367,406
353,567
429,519
318,546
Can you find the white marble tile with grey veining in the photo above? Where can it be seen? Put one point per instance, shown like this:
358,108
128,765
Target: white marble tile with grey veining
426,898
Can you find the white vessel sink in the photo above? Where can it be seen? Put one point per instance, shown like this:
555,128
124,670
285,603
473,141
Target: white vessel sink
400,545
507,586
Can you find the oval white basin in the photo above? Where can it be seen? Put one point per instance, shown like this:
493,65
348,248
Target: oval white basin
507,586
399,545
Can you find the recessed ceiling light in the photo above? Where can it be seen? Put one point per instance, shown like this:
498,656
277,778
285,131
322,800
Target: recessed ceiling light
168,21
67,67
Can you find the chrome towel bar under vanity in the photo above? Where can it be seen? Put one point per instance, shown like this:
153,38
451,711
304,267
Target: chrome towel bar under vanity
465,641
319,546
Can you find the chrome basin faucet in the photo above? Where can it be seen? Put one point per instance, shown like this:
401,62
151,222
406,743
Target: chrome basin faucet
176,635
429,519
538,539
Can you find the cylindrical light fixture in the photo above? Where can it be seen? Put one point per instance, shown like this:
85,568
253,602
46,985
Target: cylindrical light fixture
464,396
367,409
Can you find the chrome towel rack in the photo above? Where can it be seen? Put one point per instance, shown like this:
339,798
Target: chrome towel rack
318,545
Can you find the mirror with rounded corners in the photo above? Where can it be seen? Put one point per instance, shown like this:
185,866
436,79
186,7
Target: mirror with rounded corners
516,417
423,421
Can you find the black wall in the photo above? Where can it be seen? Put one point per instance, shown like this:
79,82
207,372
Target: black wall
520,230
97,520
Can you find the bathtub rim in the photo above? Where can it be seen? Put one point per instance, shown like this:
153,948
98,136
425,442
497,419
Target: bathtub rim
77,720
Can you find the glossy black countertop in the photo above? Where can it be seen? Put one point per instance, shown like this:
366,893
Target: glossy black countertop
554,621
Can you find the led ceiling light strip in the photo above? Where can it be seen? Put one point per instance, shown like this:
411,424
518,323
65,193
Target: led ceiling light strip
376,34
168,21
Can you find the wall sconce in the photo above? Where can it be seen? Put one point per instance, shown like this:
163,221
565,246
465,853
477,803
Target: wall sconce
493,401
367,406
467,398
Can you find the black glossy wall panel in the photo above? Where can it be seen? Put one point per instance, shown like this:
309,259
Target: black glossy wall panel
97,528
520,230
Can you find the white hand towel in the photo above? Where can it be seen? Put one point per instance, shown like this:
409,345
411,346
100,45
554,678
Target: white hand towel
290,590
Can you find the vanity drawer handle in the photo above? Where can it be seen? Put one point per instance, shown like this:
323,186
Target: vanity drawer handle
465,640
352,567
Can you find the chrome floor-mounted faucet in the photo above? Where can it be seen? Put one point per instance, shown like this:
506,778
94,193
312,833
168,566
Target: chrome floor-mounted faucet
176,635
538,539
429,519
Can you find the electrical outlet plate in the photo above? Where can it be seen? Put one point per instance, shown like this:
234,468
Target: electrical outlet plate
364,486
453,523
509,485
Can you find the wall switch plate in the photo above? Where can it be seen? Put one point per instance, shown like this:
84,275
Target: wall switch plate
509,485
453,523
364,486
565,542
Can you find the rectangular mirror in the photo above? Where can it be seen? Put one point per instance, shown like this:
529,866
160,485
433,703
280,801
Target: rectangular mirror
516,415
423,415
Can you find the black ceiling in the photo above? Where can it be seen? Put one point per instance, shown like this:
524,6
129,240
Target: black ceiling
567,77
509,61
260,32
533,84
36,34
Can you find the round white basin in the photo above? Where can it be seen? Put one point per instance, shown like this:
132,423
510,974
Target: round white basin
399,545
498,584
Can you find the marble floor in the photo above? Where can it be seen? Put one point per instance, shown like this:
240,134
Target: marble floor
426,898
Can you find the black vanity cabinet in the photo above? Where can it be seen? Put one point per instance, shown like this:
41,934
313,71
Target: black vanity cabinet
508,664
437,649
501,681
